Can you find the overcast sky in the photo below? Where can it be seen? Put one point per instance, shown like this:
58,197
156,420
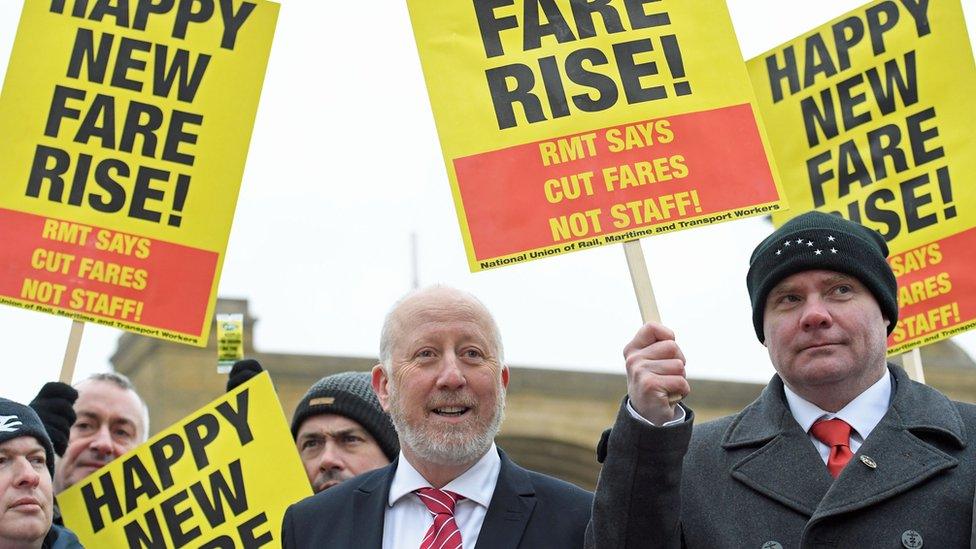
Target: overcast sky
344,165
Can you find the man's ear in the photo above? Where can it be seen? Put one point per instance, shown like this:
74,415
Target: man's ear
505,375
381,386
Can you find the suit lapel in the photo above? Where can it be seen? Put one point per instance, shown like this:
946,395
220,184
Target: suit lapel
369,507
785,466
510,508
900,449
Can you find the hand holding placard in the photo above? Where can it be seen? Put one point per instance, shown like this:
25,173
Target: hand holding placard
655,373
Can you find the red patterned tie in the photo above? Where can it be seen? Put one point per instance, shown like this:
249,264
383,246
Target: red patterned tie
835,433
444,533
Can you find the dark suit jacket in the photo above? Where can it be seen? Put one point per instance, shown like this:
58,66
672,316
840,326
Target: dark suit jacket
528,510
756,480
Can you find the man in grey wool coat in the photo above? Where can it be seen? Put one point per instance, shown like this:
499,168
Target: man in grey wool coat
840,450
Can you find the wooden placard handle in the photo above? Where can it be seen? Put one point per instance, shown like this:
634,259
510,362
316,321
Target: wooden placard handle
642,281
71,351
642,288
912,360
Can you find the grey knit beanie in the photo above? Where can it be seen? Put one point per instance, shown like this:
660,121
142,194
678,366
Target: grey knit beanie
349,394
17,420
815,240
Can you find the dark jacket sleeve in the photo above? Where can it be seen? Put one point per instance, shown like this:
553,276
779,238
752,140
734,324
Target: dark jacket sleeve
638,496
972,535
287,529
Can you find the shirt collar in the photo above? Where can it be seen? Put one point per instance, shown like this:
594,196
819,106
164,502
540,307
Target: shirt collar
476,484
863,413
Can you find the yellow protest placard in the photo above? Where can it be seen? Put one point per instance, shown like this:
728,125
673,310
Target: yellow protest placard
126,124
870,117
566,125
219,479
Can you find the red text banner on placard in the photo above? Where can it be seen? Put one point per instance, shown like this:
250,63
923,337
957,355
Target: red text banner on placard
560,194
105,276
936,291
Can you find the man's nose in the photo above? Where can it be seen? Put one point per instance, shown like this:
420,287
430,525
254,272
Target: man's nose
450,376
102,442
331,458
816,314
26,475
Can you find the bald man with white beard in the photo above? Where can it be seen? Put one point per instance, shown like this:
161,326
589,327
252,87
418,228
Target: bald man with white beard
442,379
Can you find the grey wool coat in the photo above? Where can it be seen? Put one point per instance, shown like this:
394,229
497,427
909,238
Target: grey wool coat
755,480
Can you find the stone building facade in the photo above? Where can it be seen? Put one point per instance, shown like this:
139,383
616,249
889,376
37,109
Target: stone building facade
553,420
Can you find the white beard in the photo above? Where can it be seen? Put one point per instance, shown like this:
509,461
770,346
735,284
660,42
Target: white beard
448,446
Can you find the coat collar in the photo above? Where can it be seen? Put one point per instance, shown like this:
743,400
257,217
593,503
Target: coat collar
762,420
921,409
916,407
786,467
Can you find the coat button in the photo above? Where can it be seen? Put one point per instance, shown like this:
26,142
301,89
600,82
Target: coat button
772,545
911,539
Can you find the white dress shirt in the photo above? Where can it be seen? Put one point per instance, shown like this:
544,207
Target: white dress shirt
679,415
407,519
862,414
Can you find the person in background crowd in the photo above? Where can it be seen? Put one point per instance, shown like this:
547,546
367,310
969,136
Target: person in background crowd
339,427
111,420
26,494
840,450
442,378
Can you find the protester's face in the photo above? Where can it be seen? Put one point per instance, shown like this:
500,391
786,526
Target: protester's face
823,328
447,391
335,448
26,498
109,424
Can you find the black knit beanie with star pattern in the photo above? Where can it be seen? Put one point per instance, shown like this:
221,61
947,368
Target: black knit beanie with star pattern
816,240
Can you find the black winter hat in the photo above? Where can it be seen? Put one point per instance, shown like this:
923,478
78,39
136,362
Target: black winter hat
17,420
816,240
349,394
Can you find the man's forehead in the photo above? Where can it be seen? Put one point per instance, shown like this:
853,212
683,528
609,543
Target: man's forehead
101,397
21,445
441,303
328,423
441,316
817,276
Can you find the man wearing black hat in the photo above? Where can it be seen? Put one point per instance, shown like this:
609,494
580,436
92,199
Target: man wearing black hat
341,431
840,450
26,493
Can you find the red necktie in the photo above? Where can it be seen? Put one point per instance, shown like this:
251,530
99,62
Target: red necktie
444,533
835,433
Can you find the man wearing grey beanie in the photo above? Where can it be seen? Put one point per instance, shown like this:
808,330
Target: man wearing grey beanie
339,427
341,431
840,450
26,492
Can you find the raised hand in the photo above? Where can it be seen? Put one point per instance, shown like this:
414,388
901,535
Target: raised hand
655,373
